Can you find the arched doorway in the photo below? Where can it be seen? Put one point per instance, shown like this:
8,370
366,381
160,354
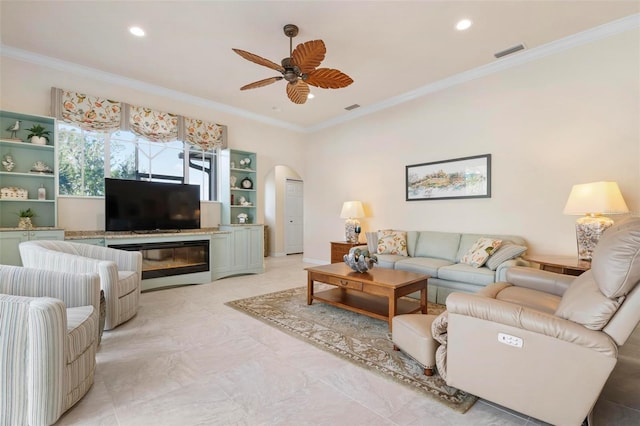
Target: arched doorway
284,210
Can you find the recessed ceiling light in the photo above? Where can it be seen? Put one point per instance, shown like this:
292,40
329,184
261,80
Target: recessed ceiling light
136,31
311,96
463,24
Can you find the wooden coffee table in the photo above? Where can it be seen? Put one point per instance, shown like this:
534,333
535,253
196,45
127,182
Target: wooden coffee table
375,293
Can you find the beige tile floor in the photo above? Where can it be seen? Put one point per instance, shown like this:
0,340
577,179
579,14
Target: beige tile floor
187,359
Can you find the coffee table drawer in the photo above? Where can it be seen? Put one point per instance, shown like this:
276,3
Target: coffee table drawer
340,282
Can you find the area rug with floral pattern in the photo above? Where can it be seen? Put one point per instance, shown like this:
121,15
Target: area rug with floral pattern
363,340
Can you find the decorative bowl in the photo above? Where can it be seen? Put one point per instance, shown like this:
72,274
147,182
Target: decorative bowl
360,260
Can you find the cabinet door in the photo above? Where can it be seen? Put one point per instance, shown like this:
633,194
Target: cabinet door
9,242
240,249
46,235
91,241
220,254
256,247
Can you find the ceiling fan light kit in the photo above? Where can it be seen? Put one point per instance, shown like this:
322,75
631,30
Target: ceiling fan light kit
299,69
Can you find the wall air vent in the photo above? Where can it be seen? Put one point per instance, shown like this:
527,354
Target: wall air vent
354,106
509,51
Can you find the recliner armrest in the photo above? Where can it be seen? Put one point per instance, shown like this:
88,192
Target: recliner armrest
487,309
536,279
501,270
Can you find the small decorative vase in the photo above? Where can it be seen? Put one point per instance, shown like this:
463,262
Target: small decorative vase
25,223
39,140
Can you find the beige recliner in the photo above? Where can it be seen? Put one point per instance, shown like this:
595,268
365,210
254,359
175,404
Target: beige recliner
120,271
544,344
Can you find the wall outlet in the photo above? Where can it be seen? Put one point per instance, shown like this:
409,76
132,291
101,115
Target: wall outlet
510,340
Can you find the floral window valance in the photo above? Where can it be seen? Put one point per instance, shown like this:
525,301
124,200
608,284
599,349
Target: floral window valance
156,126
204,134
105,115
88,112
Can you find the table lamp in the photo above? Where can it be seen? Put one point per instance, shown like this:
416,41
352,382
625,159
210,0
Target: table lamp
593,200
351,211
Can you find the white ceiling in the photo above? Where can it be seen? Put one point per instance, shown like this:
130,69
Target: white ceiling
389,48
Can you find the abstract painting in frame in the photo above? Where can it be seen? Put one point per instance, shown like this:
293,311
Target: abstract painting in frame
467,177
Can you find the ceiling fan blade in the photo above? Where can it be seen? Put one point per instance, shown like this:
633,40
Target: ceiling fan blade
328,78
261,83
298,91
259,60
308,55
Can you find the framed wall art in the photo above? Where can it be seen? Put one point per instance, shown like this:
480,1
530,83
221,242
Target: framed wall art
467,177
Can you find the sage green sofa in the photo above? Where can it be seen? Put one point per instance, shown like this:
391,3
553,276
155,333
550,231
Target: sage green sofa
438,254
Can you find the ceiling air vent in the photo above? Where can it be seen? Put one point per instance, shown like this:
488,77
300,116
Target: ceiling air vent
509,51
354,106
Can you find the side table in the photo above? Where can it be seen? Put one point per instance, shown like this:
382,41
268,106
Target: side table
567,265
339,249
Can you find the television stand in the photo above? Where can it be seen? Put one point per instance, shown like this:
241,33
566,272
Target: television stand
164,259
169,259
233,250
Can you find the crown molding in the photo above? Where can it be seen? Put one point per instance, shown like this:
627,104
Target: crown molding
597,33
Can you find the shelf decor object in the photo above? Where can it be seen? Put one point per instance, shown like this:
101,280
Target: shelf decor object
238,187
25,222
38,134
360,260
14,193
7,162
28,169
13,129
247,183
592,200
351,211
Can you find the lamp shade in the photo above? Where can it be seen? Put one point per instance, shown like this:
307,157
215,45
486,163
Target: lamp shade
595,198
352,209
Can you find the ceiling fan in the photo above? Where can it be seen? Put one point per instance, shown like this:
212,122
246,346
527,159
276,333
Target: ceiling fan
299,68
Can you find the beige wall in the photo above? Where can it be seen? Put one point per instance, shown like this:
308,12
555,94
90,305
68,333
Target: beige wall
567,118
564,119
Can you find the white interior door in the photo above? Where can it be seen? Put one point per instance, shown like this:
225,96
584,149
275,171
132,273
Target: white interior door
293,212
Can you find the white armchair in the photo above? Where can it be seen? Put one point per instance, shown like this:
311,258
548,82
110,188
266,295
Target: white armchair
120,271
48,341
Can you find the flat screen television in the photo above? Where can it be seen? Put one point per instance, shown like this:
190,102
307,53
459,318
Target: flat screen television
135,205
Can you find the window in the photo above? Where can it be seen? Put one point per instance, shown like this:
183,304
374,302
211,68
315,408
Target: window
85,158
81,162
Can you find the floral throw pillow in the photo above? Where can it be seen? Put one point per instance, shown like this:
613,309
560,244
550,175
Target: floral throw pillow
480,252
392,242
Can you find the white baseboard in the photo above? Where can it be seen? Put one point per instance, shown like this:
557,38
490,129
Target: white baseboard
315,261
